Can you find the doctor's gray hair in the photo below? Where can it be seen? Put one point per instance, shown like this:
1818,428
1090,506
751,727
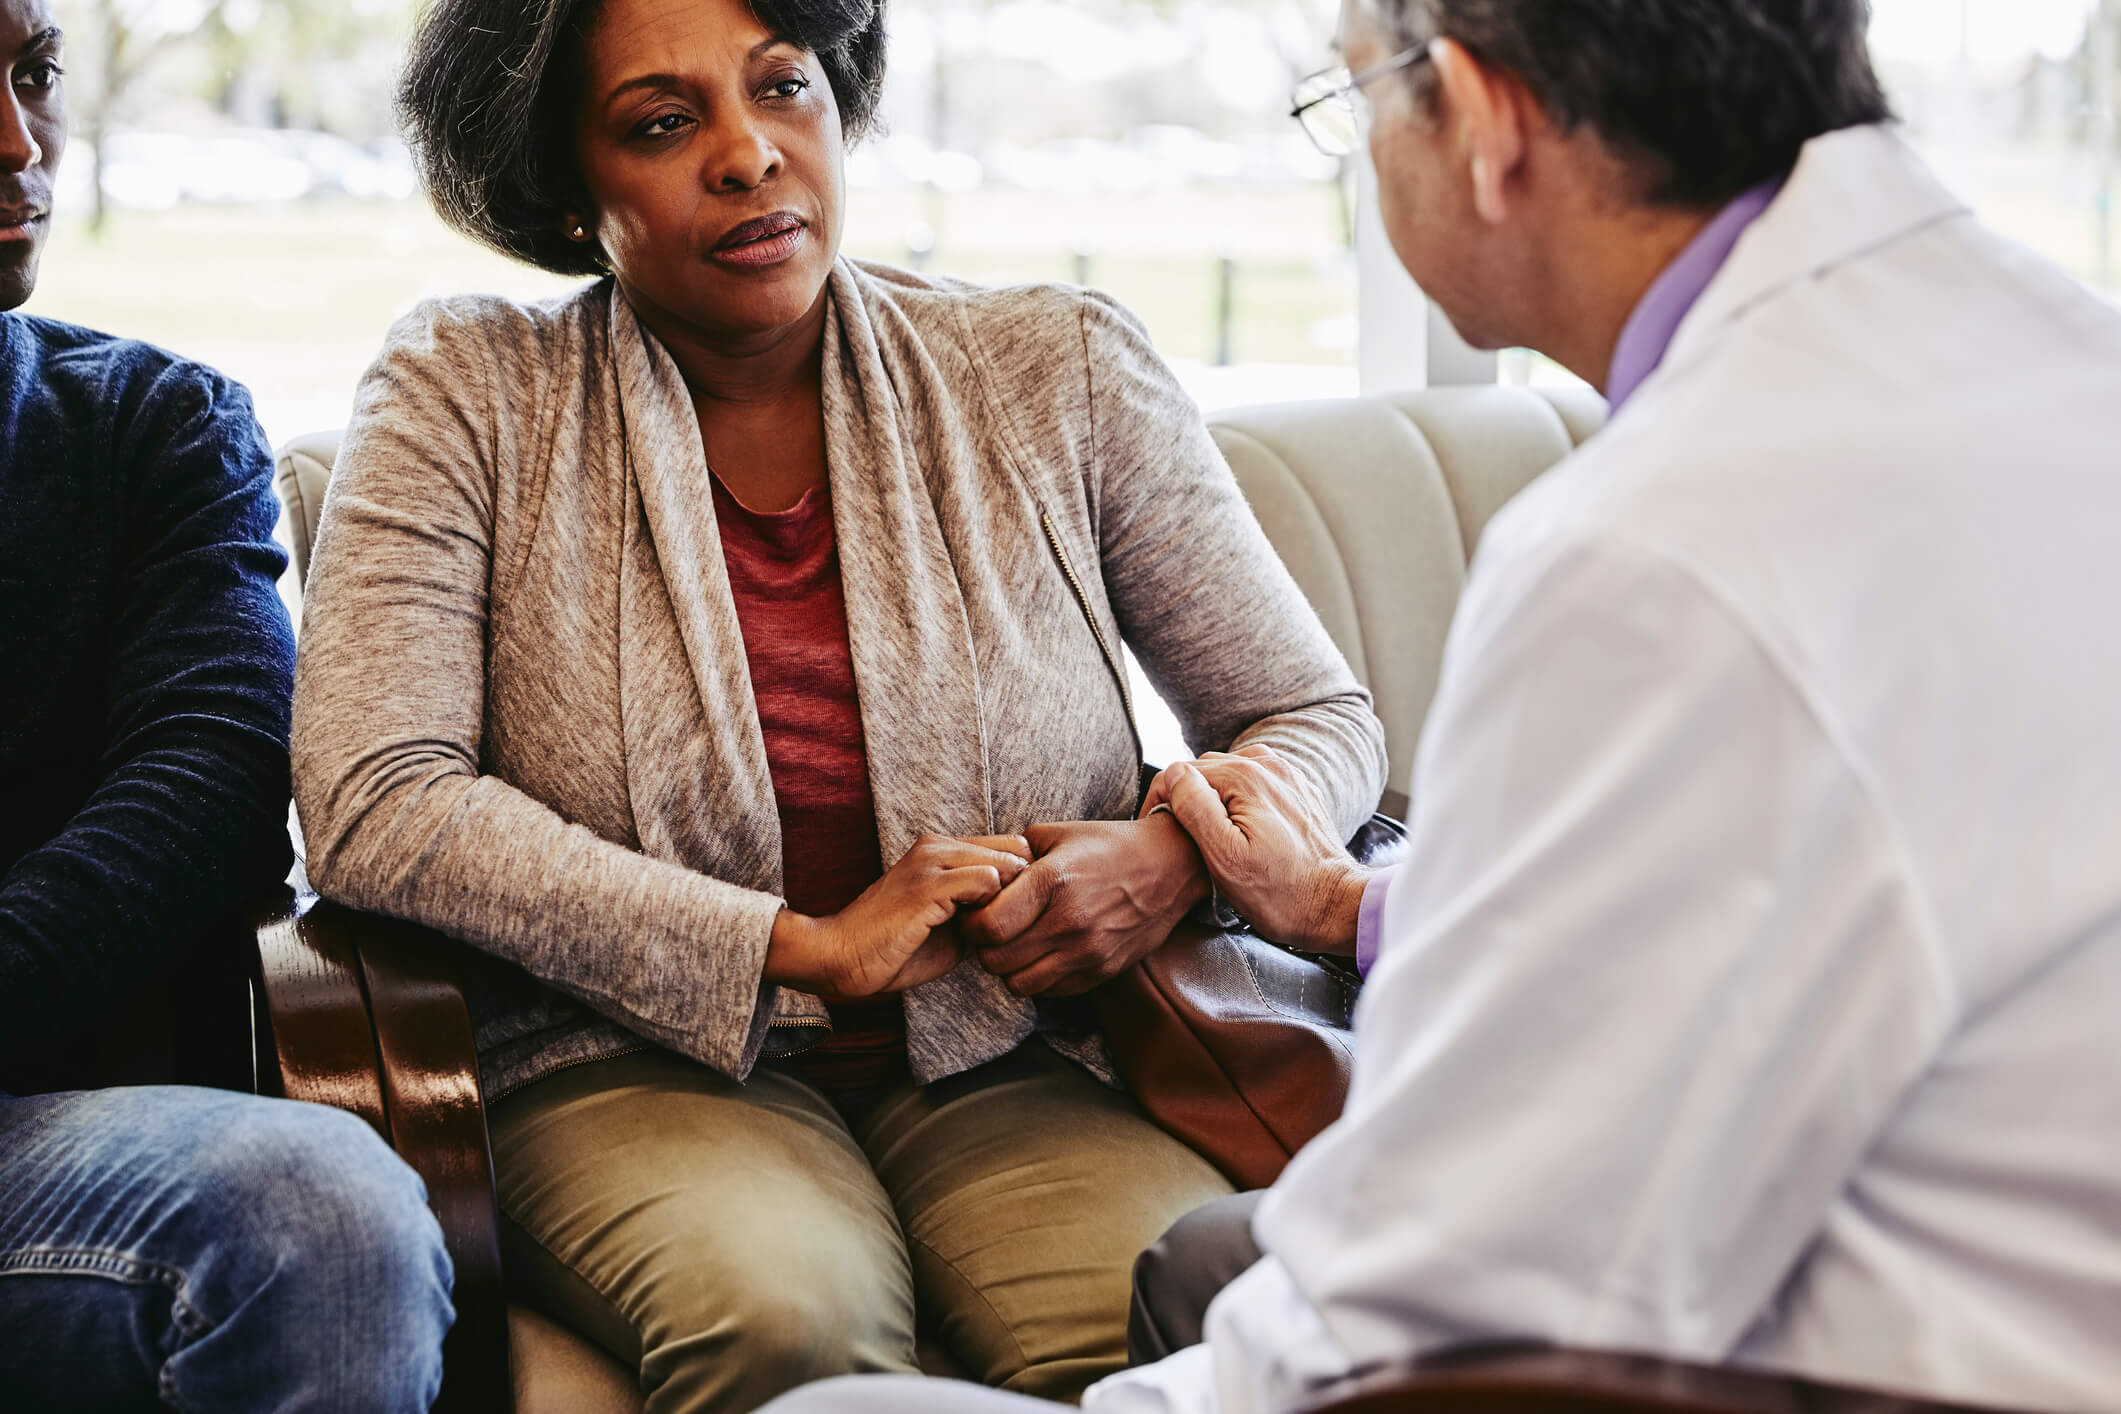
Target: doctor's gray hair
1705,98
487,103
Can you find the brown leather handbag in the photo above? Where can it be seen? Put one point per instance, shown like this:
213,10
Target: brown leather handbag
1237,1046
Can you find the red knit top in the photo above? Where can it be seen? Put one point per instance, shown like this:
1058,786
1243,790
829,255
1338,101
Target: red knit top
784,573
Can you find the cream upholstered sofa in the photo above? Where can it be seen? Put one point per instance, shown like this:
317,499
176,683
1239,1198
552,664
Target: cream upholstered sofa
1375,504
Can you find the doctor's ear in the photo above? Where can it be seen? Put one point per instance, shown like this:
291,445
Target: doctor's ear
1485,118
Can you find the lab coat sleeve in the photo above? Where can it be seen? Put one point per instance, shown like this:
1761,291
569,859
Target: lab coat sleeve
1653,980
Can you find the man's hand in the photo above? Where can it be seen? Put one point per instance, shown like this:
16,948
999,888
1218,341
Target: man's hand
1266,838
901,932
1100,896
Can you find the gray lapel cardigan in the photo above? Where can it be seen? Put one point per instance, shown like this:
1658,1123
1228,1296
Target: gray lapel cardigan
523,714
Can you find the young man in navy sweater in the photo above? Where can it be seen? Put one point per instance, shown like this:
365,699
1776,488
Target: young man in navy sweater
158,1244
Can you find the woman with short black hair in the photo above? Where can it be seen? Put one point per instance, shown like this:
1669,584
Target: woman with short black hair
730,652
492,93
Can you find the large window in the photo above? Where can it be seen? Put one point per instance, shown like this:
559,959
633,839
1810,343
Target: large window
256,211
2013,101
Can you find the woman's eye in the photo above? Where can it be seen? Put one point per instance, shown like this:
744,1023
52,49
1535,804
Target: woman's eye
790,87
663,125
41,76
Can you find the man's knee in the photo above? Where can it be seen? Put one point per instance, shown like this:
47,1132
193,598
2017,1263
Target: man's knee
1182,1271
315,1208
326,1184
310,1259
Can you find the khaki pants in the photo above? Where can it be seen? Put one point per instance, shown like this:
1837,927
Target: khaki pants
735,1241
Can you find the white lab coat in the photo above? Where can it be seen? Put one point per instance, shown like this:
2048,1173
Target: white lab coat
1754,991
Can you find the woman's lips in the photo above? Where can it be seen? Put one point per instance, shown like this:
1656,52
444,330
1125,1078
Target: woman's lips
769,249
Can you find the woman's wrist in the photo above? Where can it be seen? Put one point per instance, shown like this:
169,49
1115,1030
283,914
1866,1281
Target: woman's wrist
1184,872
793,952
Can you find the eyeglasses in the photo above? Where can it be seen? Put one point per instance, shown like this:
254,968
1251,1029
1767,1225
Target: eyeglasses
1331,107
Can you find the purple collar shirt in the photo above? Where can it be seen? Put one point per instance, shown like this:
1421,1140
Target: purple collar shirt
1644,340
1651,328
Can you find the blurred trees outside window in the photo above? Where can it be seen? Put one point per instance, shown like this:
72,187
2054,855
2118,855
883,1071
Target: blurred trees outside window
305,69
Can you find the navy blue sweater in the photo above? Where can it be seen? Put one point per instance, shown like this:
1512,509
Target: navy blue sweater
146,666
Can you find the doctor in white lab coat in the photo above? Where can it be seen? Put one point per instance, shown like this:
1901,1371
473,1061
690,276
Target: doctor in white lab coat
1753,993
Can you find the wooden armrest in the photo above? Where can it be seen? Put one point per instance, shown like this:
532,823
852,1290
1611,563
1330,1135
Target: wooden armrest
314,1038
1520,1380
365,1014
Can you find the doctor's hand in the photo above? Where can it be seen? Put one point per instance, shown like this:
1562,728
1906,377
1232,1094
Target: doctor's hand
1266,837
1100,896
901,932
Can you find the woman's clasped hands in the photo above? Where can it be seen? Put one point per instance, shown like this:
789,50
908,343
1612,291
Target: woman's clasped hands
1063,907
1053,911
902,930
1099,897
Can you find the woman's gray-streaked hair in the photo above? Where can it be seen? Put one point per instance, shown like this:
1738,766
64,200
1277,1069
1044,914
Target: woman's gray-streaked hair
1705,97
487,101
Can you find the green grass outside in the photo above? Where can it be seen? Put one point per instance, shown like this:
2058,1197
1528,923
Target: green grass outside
295,300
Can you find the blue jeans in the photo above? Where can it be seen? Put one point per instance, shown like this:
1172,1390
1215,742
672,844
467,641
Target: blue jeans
163,1245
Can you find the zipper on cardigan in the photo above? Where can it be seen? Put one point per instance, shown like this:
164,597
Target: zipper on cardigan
796,1023
492,1100
1082,600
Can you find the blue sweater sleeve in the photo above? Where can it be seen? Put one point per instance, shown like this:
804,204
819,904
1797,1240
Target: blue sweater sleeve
187,821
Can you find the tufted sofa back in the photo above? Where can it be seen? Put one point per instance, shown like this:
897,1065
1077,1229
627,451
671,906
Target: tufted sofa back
1375,505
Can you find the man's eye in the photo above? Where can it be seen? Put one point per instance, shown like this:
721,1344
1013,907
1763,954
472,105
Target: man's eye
42,76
